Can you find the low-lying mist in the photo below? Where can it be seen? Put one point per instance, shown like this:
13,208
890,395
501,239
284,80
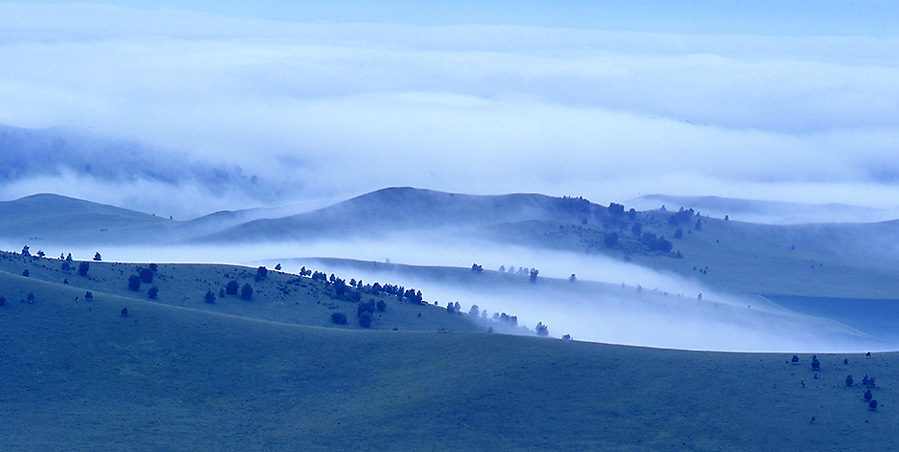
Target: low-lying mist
610,301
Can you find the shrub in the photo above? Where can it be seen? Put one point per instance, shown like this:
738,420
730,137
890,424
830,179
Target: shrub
365,319
795,359
88,295
97,257
338,318
25,273
873,405
816,365
381,305
261,273
246,292
566,337
210,297
542,330
25,251
232,287
849,380
153,292
146,275
134,283
868,395
83,267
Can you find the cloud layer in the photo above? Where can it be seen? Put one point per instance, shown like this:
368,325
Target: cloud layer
333,110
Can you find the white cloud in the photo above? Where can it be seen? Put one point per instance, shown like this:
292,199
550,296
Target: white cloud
339,109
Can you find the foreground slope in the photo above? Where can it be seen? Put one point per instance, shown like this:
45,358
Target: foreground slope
79,376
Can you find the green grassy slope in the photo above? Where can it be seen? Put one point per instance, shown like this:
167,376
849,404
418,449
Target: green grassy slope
79,376
280,297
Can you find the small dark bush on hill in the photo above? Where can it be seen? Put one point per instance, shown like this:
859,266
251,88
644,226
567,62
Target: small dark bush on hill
868,395
153,292
365,319
795,359
381,305
25,251
83,267
98,257
477,268
849,380
134,283
368,306
339,287
873,405
610,239
816,365
246,292
542,330
124,312
338,318
146,275
616,209
40,253
154,268
566,337
532,275
89,295
232,287
25,273
261,273
451,308
210,297
278,267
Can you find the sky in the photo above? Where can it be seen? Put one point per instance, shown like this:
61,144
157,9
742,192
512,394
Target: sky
185,108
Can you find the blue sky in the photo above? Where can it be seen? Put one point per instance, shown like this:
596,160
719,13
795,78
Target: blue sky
769,17
789,101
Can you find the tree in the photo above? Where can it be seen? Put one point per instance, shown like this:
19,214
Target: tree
365,320
210,297
816,365
572,278
477,268
868,395
338,318
25,251
83,267
278,267
40,253
849,380
566,337
153,292
533,274
873,405
381,305
261,273
795,359
97,257
134,283
232,287
88,295
25,273
146,275
542,330
474,311
246,292
450,307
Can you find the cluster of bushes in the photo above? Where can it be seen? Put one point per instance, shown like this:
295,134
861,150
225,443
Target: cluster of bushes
869,383
655,243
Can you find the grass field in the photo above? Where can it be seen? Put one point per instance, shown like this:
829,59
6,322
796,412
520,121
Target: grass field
79,376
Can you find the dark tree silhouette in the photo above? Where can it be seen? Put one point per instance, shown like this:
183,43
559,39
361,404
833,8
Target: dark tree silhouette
542,330
83,267
365,319
210,297
26,273
381,305
795,359
849,380
261,273
868,395
246,292
153,292
88,295
134,283
146,275
124,312
25,251
873,404
97,257
477,268
232,287
532,275
278,267
40,253
338,318
816,365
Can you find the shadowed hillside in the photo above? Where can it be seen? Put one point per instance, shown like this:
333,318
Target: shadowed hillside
79,375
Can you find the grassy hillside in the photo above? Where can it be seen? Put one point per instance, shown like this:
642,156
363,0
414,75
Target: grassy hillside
78,376
279,297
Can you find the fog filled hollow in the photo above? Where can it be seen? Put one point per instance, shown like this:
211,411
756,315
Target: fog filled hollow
611,301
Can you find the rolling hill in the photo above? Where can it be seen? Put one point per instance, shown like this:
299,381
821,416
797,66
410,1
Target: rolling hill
78,375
